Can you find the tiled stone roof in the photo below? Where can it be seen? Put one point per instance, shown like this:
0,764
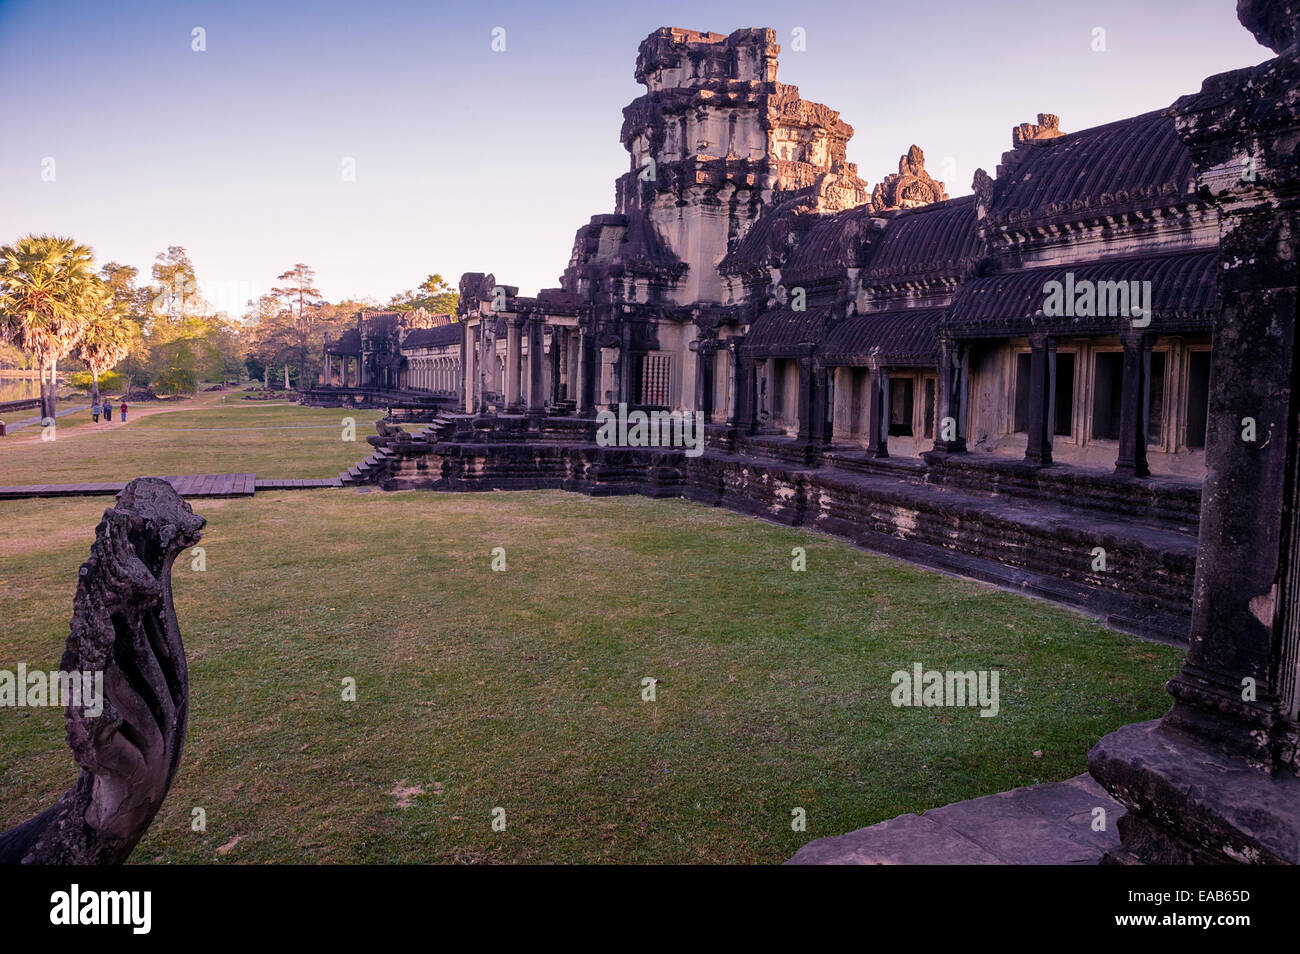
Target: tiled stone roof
935,238
1184,290
447,334
783,333
1132,161
903,338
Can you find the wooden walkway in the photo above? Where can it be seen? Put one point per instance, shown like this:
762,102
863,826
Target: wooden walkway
187,485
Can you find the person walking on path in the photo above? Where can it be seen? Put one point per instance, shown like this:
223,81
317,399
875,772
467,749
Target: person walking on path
94,412
122,409
108,411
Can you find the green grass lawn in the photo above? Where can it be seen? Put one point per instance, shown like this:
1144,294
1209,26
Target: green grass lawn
522,689
204,435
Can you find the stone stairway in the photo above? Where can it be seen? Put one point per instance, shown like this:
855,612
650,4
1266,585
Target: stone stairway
391,448
372,470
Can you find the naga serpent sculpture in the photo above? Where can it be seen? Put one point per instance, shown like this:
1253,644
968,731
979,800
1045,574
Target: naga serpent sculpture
124,626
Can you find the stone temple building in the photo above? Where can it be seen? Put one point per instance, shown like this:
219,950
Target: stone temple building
750,274
897,346
410,356
1076,382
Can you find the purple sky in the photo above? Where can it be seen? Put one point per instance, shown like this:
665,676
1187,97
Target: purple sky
468,159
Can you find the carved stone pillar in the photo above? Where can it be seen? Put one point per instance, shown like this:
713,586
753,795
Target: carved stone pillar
1216,780
807,399
586,372
553,384
816,425
705,362
744,402
1042,391
536,370
514,364
571,365
878,415
1134,402
952,395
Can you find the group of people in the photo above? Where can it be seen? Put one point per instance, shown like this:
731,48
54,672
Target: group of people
107,410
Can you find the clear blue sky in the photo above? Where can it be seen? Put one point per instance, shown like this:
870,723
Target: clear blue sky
469,159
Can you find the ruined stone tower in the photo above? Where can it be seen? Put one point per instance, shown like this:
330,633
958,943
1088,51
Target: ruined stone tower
715,139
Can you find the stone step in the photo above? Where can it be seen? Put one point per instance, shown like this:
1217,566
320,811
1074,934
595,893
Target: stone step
1048,824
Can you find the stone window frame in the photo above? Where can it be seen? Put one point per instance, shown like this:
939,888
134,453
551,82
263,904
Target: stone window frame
1073,346
673,387
1017,347
1089,404
858,398
1076,347
724,382
1200,344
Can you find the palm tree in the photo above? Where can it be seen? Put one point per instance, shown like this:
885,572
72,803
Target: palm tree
43,284
107,335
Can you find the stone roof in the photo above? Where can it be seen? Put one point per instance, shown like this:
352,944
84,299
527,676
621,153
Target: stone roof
783,333
438,336
347,343
1184,291
767,241
1132,161
835,242
934,238
903,338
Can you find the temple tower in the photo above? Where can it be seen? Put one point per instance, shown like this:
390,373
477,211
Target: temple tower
715,139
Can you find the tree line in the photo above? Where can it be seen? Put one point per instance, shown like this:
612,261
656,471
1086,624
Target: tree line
56,307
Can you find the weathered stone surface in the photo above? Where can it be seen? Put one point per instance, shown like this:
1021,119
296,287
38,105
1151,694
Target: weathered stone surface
1192,802
123,625
1216,779
910,187
1050,824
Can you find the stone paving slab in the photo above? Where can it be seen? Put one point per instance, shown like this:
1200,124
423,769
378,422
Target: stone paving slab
1047,824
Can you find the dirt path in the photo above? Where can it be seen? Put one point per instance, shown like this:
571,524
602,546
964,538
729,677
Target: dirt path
135,412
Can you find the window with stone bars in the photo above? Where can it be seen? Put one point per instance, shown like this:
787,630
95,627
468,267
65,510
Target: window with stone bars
651,379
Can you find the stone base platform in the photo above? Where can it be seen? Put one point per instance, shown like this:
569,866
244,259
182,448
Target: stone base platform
1026,536
1049,824
1191,802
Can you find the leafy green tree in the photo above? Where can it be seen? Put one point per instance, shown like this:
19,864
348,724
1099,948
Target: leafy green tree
134,303
174,295
43,287
434,296
301,298
107,335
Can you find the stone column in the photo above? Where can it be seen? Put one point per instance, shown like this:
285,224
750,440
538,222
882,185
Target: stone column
744,402
822,391
611,380
704,375
536,370
470,375
1216,780
553,390
1042,393
1134,403
571,371
587,355
514,364
807,400
878,438
953,357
